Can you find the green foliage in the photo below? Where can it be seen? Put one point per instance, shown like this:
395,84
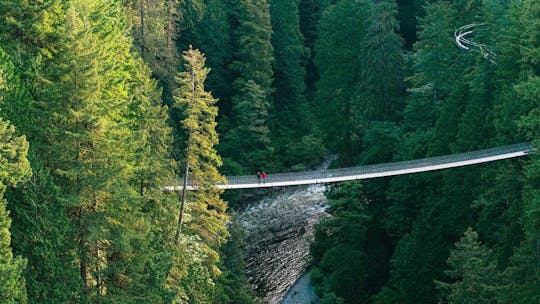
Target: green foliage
252,67
205,211
205,207
522,276
346,267
14,168
251,138
232,286
212,35
290,105
379,92
309,14
43,232
31,28
340,70
11,268
148,21
331,298
94,217
473,273
253,54
457,101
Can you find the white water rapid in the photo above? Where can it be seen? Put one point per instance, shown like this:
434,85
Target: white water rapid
278,231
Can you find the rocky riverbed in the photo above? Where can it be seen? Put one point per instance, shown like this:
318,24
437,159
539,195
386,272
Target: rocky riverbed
278,231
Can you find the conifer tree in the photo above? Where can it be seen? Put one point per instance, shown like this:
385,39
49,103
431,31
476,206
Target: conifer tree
254,54
32,24
148,20
309,14
212,35
153,167
41,230
340,72
525,273
14,168
205,212
289,103
292,118
251,138
232,286
93,123
382,61
252,61
473,273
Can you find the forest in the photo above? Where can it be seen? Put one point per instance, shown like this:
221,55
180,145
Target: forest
103,102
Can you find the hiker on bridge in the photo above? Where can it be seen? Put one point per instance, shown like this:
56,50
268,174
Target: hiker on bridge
263,175
258,177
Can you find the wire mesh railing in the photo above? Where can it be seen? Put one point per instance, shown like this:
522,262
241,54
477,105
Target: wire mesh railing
370,171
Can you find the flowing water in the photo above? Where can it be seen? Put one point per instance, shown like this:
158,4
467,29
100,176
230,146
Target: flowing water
278,231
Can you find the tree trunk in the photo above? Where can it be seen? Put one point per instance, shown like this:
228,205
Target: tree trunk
170,30
141,16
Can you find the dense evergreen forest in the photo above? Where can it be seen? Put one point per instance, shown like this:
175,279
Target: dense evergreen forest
103,102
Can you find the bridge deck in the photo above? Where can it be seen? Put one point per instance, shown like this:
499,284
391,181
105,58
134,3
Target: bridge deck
374,171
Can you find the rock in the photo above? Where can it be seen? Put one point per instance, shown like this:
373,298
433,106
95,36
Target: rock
278,231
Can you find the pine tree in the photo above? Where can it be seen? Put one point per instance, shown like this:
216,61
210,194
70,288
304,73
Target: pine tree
292,117
473,272
94,148
203,212
525,272
232,286
340,69
14,168
290,55
152,142
254,54
345,251
212,35
252,61
31,34
148,20
41,230
309,13
33,25
380,88
251,138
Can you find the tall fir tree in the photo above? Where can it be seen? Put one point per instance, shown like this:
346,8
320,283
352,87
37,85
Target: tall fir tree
41,229
252,62
340,69
292,118
14,168
106,127
202,213
289,106
380,89
473,273
148,21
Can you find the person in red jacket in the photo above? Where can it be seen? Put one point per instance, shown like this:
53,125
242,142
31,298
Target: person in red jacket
263,176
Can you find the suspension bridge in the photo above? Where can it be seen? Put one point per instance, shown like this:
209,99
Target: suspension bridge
463,39
371,171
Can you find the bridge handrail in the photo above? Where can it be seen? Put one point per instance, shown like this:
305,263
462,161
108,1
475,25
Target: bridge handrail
384,167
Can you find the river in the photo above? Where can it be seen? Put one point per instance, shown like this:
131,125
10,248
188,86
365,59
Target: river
278,231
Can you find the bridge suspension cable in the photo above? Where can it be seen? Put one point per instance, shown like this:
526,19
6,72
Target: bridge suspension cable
463,40
372,171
